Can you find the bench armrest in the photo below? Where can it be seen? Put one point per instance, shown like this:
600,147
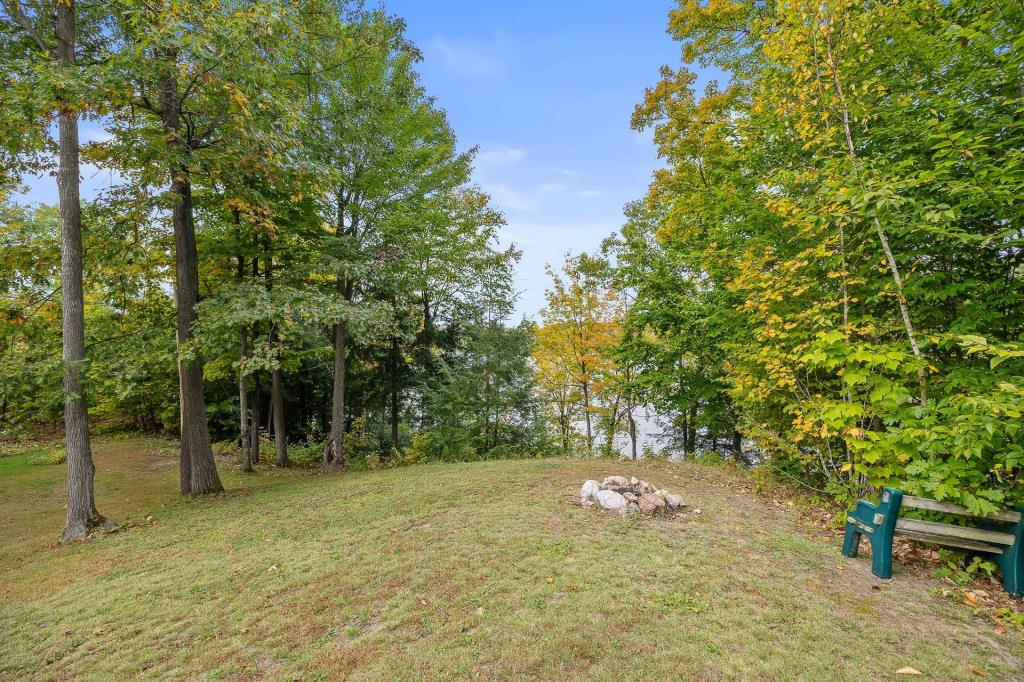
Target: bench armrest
878,523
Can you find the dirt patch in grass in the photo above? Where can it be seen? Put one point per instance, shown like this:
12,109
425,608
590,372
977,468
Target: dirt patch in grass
443,572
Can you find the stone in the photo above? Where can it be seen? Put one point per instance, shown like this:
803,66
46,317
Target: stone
647,487
609,499
674,501
632,497
615,482
646,506
589,491
634,481
650,503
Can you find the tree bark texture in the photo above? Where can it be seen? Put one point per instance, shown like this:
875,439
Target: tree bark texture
334,450
243,404
276,383
198,468
82,515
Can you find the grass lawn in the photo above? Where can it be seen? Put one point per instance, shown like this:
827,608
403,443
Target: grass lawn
469,571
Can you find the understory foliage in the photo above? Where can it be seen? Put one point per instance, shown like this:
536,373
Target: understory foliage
831,258
329,200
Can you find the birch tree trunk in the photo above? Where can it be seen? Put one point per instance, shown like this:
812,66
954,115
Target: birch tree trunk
883,238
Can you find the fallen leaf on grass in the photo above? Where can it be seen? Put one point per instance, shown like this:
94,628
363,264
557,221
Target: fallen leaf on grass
550,580
979,672
423,602
970,599
909,671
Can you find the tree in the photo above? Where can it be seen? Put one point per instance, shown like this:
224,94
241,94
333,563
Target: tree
844,204
206,77
390,150
48,50
580,324
483,405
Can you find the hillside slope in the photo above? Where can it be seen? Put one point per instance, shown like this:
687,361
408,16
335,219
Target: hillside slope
471,571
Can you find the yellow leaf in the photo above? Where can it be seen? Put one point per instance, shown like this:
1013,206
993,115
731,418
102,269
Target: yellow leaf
909,671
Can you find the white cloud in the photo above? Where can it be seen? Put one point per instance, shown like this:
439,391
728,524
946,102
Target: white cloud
589,194
472,58
509,198
553,188
512,198
500,156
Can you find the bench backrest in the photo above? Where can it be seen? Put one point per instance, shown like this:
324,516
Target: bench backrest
1008,515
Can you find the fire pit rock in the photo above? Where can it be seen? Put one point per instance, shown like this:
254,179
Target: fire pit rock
629,495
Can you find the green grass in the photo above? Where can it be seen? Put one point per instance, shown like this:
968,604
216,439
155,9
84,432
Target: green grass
451,572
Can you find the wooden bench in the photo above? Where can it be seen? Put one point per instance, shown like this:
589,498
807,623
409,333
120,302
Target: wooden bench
1000,534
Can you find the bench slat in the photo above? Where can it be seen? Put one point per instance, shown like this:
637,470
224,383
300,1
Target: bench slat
947,531
1008,515
950,542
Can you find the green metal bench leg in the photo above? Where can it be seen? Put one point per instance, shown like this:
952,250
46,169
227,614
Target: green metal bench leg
852,541
878,522
881,554
1011,562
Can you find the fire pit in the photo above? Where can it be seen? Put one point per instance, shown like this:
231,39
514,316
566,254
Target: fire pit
629,495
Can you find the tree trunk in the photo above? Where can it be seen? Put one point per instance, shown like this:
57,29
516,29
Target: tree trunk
198,468
243,404
693,429
243,389
687,447
586,415
334,449
613,427
276,382
632,432
254,435
82,515
277,400
890,258
395,402
737,445
564,422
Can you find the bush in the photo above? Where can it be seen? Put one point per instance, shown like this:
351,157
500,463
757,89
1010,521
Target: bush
52,455
226,449
308,456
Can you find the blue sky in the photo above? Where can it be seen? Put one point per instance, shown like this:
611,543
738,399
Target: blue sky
546,90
